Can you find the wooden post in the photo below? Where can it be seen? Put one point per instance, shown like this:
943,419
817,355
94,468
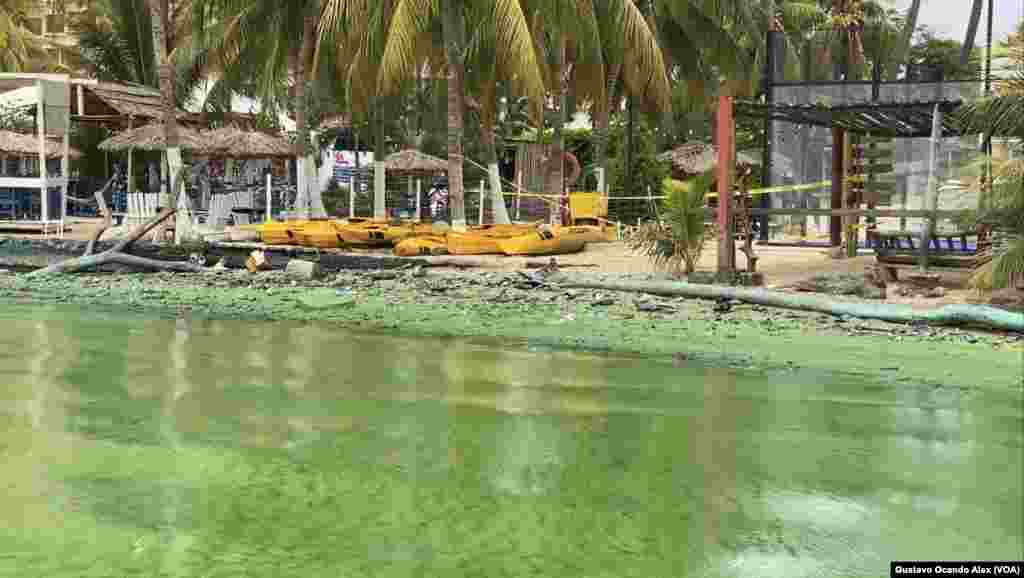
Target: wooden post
352,195
836,223
270,196
932,194
726,241
519,190
480,220
80,93
412,185
419,200
850,222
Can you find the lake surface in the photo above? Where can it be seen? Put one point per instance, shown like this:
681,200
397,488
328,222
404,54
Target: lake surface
134,446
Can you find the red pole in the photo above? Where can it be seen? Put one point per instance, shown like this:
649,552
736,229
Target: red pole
726,134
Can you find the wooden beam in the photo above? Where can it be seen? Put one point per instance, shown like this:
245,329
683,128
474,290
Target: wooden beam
912,214
726,238
836,223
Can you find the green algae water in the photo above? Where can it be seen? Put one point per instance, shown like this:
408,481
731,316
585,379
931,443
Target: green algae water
141,446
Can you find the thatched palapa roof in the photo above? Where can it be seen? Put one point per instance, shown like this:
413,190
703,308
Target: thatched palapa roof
412,160
696,158
151,138
234,142
20,144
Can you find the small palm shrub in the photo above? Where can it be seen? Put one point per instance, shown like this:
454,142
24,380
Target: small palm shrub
676,241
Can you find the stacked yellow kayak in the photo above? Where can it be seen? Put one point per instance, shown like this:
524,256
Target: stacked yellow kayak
280,233
410,238
379,233
319,234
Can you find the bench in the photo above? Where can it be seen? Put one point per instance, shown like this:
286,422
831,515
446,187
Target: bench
896,240
891,256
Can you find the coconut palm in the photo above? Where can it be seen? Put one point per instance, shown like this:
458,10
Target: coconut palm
115,42
353,35
160,18
630,54
18,45
1002,115
412,38
270,46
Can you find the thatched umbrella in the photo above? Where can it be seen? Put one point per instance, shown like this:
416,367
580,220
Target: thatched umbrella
151,138
234,142
16,143
413,161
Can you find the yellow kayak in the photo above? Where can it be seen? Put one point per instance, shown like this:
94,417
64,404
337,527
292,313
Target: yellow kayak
467,244
542,242
414,246
483,240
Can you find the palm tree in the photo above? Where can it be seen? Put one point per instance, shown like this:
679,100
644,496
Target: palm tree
1002,115
160,14
632,55
269,45
115,42
412,31
18,45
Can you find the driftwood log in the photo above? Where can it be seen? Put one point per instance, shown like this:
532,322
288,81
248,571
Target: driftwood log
977,315
117,254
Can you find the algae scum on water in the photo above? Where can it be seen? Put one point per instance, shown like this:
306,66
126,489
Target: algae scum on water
142,446
511,306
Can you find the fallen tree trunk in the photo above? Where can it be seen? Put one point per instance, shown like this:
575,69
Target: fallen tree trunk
949,315
116,254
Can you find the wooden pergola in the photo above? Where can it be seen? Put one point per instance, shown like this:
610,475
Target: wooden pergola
906,119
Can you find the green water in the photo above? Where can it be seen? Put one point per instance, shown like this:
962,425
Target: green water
133,446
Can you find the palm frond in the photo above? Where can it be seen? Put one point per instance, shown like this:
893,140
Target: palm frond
644,70
411,18
516,51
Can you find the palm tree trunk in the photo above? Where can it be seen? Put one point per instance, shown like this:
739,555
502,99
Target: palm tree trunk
456,192
602,120
380,209
556,160
302,190
307,178
454,35
159,14
498,207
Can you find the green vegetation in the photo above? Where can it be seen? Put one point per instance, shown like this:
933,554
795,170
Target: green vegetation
1003,201
676,242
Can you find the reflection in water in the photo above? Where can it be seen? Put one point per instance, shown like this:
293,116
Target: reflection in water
139,447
